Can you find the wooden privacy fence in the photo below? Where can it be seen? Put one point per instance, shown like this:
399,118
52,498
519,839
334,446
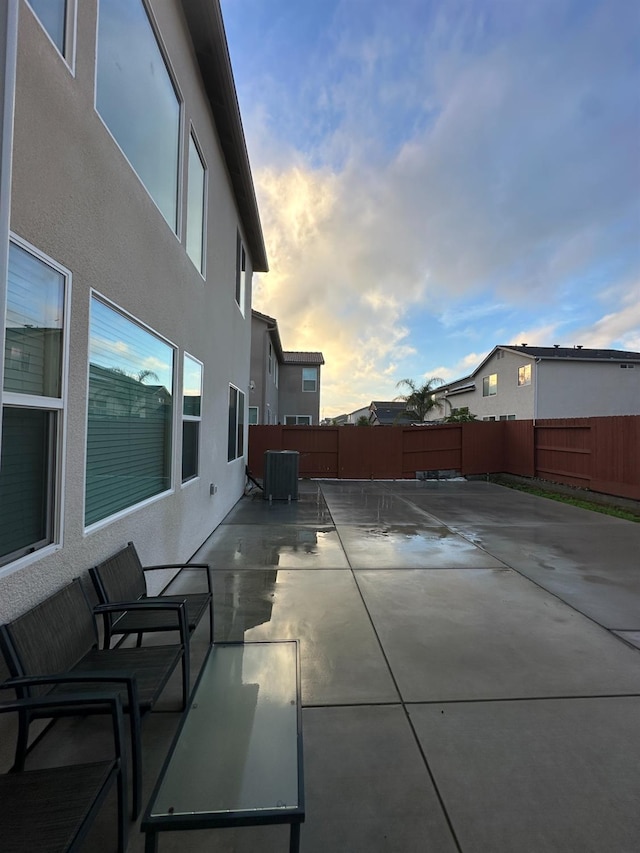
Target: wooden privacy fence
602,454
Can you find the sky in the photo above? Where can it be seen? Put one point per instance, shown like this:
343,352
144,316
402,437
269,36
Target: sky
437,177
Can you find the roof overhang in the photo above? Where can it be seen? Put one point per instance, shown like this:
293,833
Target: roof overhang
206,27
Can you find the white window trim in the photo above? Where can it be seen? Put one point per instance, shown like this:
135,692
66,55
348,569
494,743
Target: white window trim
257,408
240,244
191,418
52,404
528,382
70,33
205,203
316,380
179,224
308,420
175,422
245,425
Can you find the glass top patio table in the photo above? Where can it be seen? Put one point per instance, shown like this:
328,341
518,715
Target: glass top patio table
237,756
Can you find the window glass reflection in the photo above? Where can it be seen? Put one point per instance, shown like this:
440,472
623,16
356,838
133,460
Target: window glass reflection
35,317
137,100
52,15
195,207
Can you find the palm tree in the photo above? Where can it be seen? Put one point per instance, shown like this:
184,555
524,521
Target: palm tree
421,398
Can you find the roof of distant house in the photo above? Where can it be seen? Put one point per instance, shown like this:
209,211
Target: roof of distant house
577,352
390,412
302,358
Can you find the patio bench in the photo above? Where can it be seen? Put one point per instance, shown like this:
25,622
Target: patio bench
55,645
51,810
122,578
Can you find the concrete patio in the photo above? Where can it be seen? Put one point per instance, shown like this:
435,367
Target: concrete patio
470,668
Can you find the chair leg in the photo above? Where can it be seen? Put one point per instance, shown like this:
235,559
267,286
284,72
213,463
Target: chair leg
123,829
22,742
186,674
139,640
211,622
136,763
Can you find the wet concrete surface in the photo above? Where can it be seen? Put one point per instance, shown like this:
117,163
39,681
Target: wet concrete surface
462,689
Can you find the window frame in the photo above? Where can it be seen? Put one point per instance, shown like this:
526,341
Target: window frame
525,370
175,228
125,511
68,54
237,429
191,419
202,267
487,385
315,380
300,420
240,294
57,407
256,409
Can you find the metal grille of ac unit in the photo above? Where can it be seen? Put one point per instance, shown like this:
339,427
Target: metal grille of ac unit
281,475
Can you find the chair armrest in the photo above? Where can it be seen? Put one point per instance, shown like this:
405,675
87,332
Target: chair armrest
184,566
150,604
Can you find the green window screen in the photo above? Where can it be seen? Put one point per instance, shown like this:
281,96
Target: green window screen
26,481
233,414
129,415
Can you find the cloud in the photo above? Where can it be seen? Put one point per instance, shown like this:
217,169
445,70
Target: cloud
480,156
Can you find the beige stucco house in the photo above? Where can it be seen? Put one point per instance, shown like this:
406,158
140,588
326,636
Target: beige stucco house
525,382
134,234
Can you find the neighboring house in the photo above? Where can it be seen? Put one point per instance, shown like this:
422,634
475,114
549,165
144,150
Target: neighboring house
134,236
392,413
526,383
284,386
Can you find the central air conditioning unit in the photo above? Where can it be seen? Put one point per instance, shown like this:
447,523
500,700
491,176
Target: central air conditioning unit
281,475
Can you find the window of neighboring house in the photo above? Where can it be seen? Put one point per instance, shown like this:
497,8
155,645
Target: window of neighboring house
276,372
298,420
270,359
137,100
196,199
57,19
490,385
130,412
235,443
241,273
309,378
191,416
524,375
253,415
489,419
33,398
507,417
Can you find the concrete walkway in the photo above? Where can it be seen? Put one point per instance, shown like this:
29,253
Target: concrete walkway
470,674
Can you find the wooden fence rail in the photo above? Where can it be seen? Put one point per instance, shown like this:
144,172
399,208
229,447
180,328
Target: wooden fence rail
602,454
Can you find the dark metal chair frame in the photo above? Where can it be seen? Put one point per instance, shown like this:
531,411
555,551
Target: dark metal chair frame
53,648
122,579
53,809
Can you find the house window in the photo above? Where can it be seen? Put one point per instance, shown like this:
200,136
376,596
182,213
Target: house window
524,375
130,413
196,197
253,415
298,420
34,379
489,419
137,100
191,416
241,272
270,358
57,17
490,385
235,443
309,378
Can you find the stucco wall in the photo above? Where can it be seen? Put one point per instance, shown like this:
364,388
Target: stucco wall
587,389
265,393
295,401
76,198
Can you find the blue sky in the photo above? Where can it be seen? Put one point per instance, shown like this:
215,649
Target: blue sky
436,177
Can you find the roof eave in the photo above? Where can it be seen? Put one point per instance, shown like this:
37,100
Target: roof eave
206,27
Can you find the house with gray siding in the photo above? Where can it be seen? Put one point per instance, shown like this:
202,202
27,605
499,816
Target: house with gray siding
527,383
133,236
284,385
